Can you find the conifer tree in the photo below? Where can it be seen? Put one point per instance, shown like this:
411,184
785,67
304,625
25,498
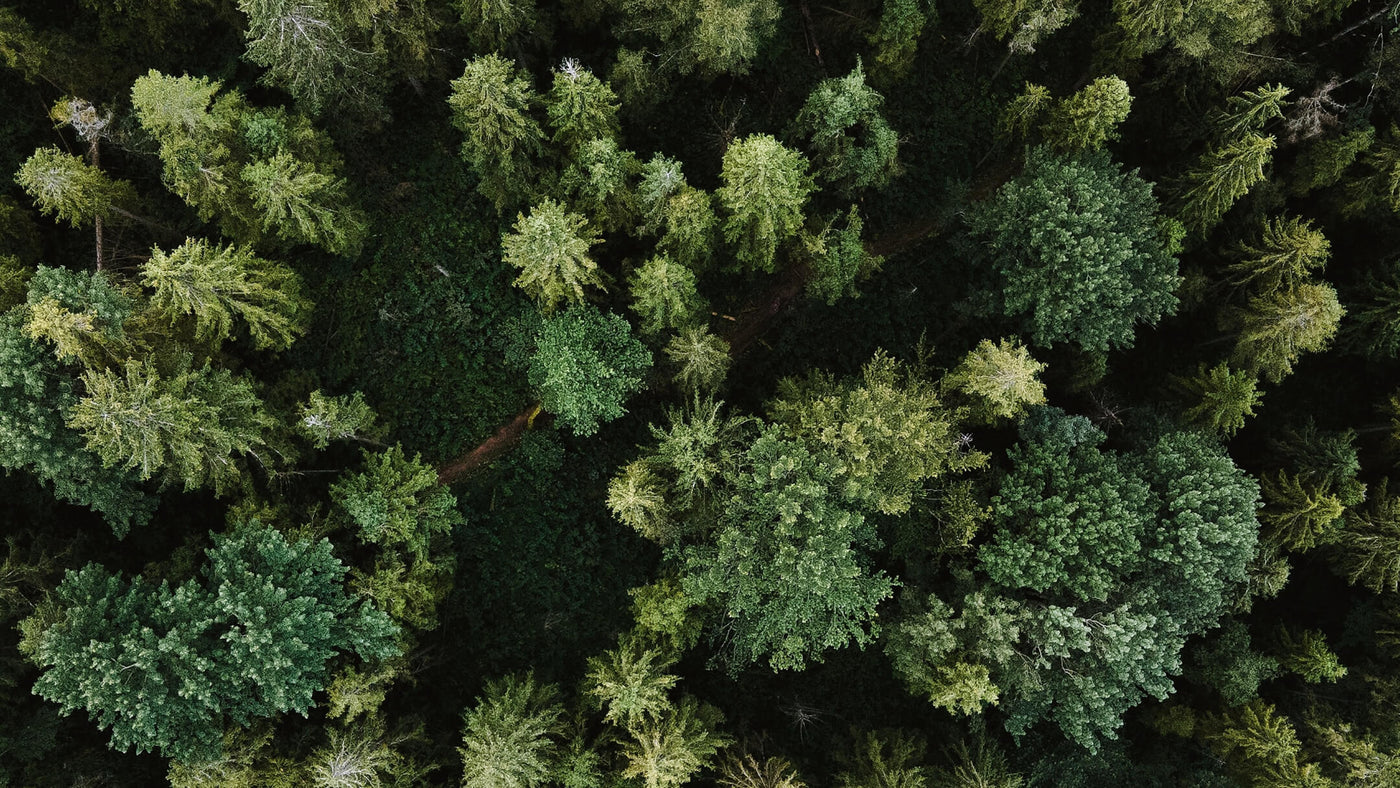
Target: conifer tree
492,24
189,427
1001,378
837,258
1308,656
1025,112
551,249
510,734
701,359
70,189
746,771
307,48
215,285
492,103
885,759
598,182
1374,324
682,215
631,685
667,752
664,295
1088,119
1298,516
348,417
1276,329
1220,398
1287,251
247,639
1223,175
1251,110
1077,246
396,501
765,189
585,365
83,316
853,147
636,496
1368,544
580,106
301,202
896,38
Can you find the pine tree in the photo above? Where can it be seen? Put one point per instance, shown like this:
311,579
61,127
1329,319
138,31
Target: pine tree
510,734
1287,252
492,104
1223,175
304,204
70,189
666,753
1220,398
1089,119
746,771
636,496
396,501
215,285
885,759
189,427
551,249
165,669
853,147
580,106
631,685
1251,111
1308,656
664,295
1002,379
1298,516
1276,329
1374,324
701,359
683,216
837,259
598,182
1025,22
1025,112
492,24
83,316
765,189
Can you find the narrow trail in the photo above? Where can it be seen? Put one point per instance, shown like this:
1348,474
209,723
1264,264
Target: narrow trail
751,324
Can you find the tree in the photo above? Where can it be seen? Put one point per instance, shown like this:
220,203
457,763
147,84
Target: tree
492,103
188,427
882,436
1288,251
82,315
1228,664
1251,110
1299,516
70,189
580,106
1002,380
585,365
348,417
214,285
765,188
550,247
492,24
1078,250
637,498
509,740
248,639
1308,656
664,295
885,759
397,501
1088,119
598,181
1223,398
1368,543
1224,174
701,359
1275,329
746,771
667,752
837,259
1374,327
1212,33
784,568
301,202
37,398
682,215
1025,23
853,147
896,39
307,48
630,684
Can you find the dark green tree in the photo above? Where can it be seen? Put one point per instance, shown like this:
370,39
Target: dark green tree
1077,246
492,103
853,147
165,668
585,365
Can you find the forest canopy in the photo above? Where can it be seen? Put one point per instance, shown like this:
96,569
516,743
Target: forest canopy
643,393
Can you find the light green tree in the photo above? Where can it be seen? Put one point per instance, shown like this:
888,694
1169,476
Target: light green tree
1025,23
631,685
1287,252
1298,516
1276,329
189,427
668,752
701,359
551,249
765,189
510,739
308,49
397,501
1223,175
347,417
1089,119
1250,111
303,203
492,24
853,147
1001,378
70,189
664,295
213,285
885,759
1220,398
492,103
580,106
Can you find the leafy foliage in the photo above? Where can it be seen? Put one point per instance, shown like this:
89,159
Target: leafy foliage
585,365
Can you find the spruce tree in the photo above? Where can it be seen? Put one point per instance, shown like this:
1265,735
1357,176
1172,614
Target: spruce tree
551,249
1276,329
765,189
492,103
1223,175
